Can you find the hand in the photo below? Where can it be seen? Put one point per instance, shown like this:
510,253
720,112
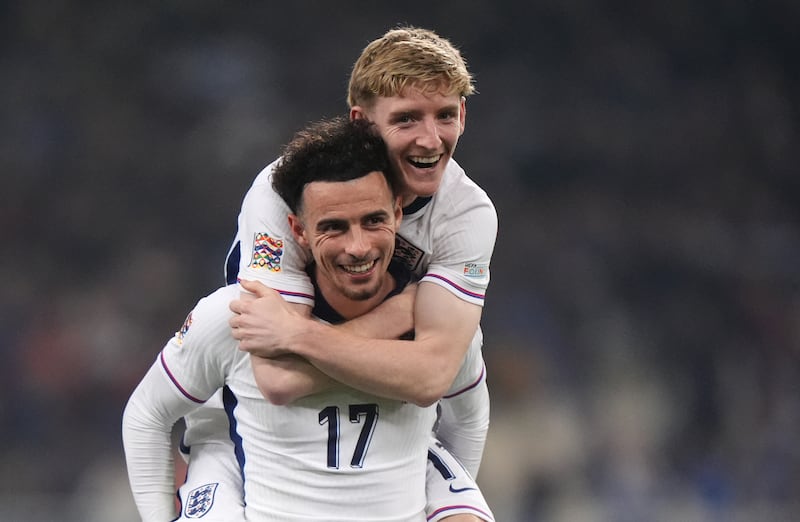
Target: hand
263,320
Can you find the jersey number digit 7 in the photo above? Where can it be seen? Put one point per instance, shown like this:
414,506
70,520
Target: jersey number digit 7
330,415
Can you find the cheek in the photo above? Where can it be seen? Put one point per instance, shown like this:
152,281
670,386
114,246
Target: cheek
395,139
387,235
451,133
321,244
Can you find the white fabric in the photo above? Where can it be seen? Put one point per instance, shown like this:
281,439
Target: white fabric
215,476
295,468
264,212
451,489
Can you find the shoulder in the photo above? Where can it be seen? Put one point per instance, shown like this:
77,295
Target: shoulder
459,195
211,314
261,204
456,184
265,176
262,185
223,294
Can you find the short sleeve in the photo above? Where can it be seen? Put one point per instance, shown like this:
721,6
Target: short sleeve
268,251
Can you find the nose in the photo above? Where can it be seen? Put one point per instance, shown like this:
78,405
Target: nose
429,135
358,246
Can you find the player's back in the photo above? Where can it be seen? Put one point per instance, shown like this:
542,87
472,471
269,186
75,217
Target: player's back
336,456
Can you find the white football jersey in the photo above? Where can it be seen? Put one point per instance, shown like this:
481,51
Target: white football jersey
344,455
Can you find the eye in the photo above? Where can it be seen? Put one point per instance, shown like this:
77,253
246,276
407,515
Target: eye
403,119
331,228
375,220
448,115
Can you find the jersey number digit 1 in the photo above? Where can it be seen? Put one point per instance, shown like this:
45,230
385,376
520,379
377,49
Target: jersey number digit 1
330,415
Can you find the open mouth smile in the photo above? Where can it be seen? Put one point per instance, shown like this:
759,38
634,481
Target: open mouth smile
361,268
425,162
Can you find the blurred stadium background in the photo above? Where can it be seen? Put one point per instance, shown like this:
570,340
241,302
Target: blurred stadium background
643,321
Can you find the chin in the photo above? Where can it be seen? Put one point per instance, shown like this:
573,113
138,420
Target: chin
360,295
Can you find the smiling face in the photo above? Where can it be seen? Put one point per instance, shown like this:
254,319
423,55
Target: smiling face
421,129
350,227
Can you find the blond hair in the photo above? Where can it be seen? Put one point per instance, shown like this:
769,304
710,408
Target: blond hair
404,57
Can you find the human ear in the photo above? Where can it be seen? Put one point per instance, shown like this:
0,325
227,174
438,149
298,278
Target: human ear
398,212
298,230
357,112
462,116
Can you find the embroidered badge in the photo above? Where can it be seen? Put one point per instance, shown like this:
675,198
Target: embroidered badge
200,500
407,254
267,252
185,328
476,270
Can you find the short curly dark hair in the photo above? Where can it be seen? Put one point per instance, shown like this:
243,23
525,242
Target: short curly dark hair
336,149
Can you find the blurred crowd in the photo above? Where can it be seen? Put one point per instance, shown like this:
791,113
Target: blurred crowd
643,322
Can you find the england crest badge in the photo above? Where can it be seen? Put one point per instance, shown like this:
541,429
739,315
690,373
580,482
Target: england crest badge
200,500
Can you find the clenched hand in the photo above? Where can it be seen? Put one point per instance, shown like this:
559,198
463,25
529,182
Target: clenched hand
264,322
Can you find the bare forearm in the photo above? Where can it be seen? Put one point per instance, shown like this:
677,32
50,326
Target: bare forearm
415,371
390,320
418,371
286,378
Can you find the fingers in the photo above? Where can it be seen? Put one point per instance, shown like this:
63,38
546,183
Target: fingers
244,342
250,346
237,306
235,324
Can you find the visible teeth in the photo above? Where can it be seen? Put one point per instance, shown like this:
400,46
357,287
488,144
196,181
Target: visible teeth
426,160
359,269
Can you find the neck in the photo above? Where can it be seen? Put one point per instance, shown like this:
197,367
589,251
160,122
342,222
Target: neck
408,199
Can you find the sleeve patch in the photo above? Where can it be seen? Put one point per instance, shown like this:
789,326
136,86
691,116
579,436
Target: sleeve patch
267,252
476,270
179,335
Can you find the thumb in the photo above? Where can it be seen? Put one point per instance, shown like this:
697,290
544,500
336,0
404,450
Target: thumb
257,288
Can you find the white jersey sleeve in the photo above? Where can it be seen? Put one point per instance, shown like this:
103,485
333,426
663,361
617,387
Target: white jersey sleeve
268,251
199,357
147,422
464,411
450,238
189,369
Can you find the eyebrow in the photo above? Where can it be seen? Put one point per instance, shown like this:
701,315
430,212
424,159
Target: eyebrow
336,221
377,213
322,223
417,112
412,112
